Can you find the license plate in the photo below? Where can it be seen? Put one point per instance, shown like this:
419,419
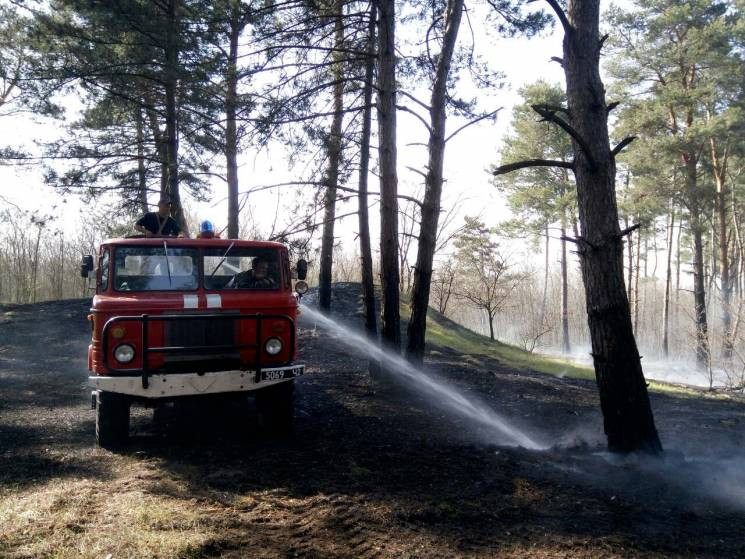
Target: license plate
282,374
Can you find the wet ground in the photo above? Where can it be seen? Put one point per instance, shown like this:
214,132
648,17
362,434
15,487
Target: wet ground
368,472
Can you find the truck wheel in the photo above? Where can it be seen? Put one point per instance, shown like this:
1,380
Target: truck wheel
112,419
276,407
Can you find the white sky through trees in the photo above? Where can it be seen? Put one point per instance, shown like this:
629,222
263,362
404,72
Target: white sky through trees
467,156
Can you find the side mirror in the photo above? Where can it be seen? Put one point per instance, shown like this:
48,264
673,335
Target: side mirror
86,266
302,269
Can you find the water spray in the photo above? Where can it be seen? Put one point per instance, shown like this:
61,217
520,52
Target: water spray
447,395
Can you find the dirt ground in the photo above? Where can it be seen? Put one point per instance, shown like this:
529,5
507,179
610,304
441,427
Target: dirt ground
367,472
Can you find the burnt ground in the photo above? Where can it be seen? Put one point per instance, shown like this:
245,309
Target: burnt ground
368,472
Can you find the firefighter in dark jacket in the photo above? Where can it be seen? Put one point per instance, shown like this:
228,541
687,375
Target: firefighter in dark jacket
160,223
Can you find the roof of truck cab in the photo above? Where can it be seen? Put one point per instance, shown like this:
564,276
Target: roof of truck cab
197,243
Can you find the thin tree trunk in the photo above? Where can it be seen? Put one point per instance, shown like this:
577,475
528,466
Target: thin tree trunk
433,186
699,285
544,299
668,283
636,282
141,178
391,321
565,345
368,287
724,268
332,172
630,254
628,419
160,142
231,131
171,86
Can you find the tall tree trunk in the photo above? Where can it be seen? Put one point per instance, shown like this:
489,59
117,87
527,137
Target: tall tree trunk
171,87
630,254
368,287
544,299
161,142
141,178
720,169
628,419
636,282
433,186
740,245
565,345
668,283
391,323
333,150
699,281
231,132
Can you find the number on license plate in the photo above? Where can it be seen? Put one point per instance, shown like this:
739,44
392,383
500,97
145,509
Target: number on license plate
274,375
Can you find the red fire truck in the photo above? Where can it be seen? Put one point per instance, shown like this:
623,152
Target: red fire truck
174,319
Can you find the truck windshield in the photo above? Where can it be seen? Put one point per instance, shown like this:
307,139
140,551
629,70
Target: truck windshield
241,268
155,269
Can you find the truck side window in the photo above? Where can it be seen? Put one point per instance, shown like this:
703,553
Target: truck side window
104,270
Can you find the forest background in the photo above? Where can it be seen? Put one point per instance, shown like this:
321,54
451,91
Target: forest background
268,102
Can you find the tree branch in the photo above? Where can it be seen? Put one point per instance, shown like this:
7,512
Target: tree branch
421,119
471,122
626,141
602,41
629,230
550,116
612,106
504,169
561,15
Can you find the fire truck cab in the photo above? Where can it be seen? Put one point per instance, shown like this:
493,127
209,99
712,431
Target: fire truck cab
174,319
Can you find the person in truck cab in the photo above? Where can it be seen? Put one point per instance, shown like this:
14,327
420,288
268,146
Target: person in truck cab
159,223
255,278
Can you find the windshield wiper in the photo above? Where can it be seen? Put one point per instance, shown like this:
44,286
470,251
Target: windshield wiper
168,264
224,256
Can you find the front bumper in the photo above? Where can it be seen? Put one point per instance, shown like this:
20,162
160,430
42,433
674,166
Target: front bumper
194,384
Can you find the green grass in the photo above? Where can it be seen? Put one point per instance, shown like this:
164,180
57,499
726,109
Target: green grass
442,331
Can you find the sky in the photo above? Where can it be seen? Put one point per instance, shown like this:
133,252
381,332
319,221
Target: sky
467,157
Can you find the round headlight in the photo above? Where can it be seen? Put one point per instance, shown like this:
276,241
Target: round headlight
273,346
301,287
124,353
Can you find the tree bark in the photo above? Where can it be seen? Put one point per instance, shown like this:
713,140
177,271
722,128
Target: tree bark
628,419
668,283
141,178
368,287
636,281
171,89
433,186
231,131
719,166
565,344
391,321
699,280
333,151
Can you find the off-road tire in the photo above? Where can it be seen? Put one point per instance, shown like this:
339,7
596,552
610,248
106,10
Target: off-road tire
276,408
112,419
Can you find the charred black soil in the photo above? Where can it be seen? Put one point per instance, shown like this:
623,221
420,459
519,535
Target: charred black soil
368,472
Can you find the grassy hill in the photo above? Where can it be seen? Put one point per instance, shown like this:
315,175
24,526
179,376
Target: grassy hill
441,331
